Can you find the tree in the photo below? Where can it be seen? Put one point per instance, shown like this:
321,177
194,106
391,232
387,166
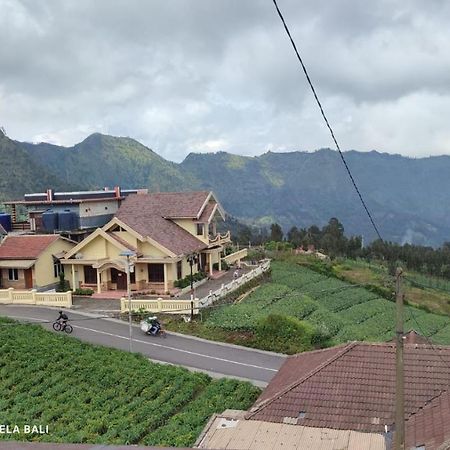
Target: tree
276,233
294,236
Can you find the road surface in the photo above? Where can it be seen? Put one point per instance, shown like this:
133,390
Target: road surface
218,359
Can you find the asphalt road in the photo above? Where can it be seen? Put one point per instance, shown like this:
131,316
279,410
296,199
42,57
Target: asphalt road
215,358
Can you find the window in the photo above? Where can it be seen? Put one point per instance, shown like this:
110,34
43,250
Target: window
58,268
179,270
200,228
13,274
156,273
302,414
90,275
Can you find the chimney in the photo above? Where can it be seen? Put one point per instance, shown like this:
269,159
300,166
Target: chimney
49,195
117,191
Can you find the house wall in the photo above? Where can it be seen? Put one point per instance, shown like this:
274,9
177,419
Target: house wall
127,237
89,209
190,226
148,249
19,284
43,269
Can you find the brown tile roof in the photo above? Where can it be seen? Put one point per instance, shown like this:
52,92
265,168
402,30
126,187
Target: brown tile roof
206,214
430,426
147,214
353,387
26,246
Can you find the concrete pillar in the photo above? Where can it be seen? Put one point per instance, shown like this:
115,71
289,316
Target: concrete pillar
99,287
73,277
210,263
219,256
166,286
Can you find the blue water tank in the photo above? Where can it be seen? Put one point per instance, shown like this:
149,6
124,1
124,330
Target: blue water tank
5,221
68,221
50,221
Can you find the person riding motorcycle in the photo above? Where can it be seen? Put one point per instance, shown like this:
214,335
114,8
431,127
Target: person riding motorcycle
155,325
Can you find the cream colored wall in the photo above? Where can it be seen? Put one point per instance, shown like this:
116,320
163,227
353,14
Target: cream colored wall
96,249
43,269
186,268
148,249
191,227
16,284
127,237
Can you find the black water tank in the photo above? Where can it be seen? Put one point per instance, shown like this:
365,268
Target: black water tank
67,221
50,221
5,221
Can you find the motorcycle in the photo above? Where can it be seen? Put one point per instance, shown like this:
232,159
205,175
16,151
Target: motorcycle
148,328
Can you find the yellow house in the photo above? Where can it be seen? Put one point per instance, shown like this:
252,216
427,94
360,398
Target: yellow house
32,261
165,232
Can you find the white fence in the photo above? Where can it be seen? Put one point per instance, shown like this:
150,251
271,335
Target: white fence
225,289
236,256
160,306
58,299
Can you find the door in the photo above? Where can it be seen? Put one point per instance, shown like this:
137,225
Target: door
28,278
121,281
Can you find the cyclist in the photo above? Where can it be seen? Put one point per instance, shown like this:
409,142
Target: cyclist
62,319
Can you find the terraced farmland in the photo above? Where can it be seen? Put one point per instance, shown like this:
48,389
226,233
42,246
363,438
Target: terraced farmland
345,311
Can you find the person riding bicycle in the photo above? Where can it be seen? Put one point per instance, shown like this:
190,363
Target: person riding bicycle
62,319
155,325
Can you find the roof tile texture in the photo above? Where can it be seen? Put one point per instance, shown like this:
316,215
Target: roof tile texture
25,246
354,386
149,215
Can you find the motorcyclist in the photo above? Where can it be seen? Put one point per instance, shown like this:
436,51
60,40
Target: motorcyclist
155,325
62,318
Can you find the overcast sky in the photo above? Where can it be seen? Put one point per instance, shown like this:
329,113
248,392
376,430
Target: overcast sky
209,75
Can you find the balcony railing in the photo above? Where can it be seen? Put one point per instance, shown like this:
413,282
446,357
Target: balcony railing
219,239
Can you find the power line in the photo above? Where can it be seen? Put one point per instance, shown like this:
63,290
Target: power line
326,121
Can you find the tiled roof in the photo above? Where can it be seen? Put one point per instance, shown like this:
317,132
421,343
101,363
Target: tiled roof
147,215
353,386
26,246
430,426
206,214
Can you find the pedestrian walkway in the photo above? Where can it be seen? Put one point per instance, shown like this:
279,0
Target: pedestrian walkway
212,285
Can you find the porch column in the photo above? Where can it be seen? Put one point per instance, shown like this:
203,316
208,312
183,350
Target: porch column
210,263
165,278
73,277
99,287
219,255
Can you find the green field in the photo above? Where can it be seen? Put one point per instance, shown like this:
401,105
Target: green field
344,311
90,394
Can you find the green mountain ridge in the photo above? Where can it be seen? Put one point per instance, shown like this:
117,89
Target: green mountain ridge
408,197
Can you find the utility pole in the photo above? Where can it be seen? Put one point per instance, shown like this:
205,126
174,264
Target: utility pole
129,253
399,367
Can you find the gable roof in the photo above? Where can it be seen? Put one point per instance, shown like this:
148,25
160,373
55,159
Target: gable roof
430,426
26,246
353,386
149,215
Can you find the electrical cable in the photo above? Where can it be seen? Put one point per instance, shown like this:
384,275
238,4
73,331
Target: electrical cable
326,121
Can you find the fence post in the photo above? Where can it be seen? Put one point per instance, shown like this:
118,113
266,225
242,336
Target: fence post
10,294
122,304
159,304
33,295
69,299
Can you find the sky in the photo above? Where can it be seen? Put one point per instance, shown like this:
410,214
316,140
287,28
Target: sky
185,76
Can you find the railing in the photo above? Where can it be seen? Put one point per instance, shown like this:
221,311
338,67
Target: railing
219,238
159,306
13,296
225,289
236,256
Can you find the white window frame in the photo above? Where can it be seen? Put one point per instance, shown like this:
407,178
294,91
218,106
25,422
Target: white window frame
15,274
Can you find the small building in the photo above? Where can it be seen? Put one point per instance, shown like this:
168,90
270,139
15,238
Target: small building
32,261
344,398
168,234
73,214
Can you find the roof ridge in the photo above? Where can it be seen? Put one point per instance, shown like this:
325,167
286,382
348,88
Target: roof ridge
346,348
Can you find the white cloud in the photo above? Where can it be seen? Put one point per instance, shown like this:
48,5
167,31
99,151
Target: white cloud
206,76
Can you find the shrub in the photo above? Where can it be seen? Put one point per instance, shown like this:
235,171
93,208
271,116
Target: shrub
186,281
81,291
63,284
285,333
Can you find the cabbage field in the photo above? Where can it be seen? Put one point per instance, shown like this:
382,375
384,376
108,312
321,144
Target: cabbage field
89,394
345,311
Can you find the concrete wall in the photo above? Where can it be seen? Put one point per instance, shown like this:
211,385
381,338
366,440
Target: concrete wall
190,226
19,284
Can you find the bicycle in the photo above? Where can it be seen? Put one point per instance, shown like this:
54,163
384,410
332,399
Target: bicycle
59,326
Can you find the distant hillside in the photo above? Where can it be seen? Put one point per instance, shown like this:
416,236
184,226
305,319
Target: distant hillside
409,197
20,173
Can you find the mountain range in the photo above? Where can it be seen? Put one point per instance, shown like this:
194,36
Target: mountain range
409,198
